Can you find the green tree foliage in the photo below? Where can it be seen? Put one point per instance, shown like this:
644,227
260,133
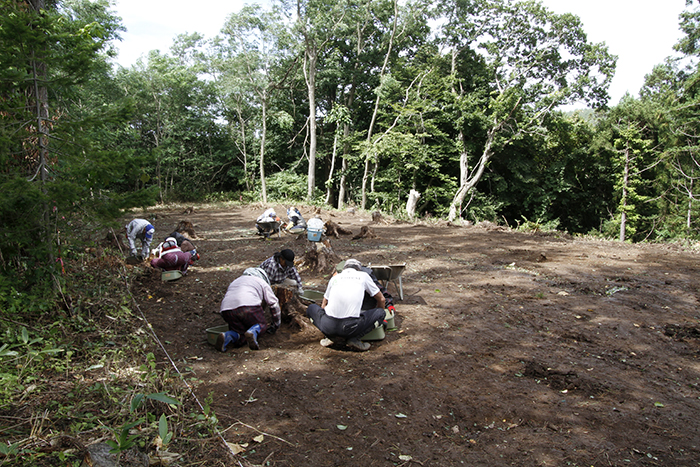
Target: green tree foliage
631,140
247,65
53,176
454,99
538,60
173,131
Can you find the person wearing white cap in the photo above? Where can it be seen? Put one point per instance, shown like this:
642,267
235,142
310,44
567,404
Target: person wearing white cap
242,308
267,223
340,316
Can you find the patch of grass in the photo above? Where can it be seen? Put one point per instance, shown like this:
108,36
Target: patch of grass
73,371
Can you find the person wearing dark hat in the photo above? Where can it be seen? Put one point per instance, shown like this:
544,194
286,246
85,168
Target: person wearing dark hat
280,269
184,243
243,310
340,316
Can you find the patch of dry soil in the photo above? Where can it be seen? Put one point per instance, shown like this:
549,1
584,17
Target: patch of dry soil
511,349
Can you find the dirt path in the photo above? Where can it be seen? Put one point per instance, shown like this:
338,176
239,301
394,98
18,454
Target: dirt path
511,349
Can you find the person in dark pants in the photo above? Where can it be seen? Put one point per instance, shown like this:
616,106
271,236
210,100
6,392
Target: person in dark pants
243,309
340,316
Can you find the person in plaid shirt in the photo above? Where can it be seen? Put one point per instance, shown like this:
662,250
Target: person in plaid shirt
280,270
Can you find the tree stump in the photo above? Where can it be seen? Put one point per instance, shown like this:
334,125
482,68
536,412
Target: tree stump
365,232
319,257
293,310
186,227
334,230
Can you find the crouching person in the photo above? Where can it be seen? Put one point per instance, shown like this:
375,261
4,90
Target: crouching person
340,317
139,231
171,258
243,309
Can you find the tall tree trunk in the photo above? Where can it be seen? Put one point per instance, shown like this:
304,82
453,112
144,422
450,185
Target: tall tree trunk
330,172
310,76
467,183
341,184
263,186
690,202
41,103
370,130
623,203
244,148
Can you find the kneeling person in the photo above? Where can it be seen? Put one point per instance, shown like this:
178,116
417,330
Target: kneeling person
171,258
340,315
242,308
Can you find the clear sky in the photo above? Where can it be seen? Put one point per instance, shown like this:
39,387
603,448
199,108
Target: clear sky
640,32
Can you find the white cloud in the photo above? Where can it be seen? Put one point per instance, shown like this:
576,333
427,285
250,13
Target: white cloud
640,32
154,24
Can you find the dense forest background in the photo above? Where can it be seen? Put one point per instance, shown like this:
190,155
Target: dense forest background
341,103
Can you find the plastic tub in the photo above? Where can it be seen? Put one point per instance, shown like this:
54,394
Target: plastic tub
170,275
313,235
390,320
375,334
213,333
311,296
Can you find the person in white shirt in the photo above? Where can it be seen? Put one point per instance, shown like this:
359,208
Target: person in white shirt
268,223
340,316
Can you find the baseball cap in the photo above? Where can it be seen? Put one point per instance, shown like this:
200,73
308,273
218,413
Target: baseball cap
288,256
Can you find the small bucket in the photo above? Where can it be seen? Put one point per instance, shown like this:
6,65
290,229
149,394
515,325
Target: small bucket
390,320
375,334
166,276
213,333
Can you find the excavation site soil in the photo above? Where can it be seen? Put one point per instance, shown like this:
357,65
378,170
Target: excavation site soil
509,348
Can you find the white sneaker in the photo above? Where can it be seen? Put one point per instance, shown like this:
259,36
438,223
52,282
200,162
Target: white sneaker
357,344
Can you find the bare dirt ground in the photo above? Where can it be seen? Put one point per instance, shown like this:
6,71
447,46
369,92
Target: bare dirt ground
525,349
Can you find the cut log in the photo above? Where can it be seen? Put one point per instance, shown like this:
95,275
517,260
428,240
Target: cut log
334,230
319,258
186,227
365,232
